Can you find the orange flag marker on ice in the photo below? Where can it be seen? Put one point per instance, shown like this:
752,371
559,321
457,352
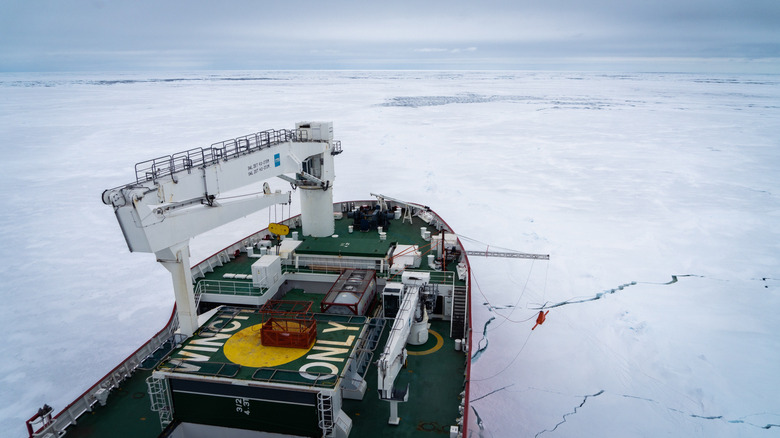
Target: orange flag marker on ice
540,319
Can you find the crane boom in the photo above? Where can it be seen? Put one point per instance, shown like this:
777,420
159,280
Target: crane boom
393,358
169,204
394,355
177,197
511,255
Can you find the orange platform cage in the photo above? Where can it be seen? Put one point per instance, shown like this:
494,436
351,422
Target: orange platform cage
288,324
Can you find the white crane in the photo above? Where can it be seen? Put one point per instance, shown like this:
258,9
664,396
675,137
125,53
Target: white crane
405,327
177,197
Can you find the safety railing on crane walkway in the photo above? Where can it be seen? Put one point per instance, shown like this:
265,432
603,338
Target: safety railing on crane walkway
150,170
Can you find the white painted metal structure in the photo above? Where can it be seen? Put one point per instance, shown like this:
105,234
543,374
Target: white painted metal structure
393,357
177,197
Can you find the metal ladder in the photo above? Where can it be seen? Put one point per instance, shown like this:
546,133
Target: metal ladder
160,399
459,312
325,412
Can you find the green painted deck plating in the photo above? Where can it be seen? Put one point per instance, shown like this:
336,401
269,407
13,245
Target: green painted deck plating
364,244
344,243
209,352
436,381
435,371
127,413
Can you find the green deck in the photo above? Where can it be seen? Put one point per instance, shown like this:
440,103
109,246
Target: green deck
356,244
365,244
127,413
436,381
209,349
435,377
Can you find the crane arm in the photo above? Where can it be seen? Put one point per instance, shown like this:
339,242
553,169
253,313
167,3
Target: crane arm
170,204
511,255
148,228
177,197
223,175
393,357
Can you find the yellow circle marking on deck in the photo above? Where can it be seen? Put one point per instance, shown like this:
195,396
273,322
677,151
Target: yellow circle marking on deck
245,348
434,349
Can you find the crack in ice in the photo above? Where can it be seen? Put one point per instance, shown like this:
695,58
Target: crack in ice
571,413
674,279
482,348
691,415
601,295
598,296
492,392
707,417
766,426
479,419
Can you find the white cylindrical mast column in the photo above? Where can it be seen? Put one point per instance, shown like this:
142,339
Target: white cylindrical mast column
317,200
317,211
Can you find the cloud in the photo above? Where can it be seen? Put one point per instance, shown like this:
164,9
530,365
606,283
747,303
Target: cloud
90,34
443,50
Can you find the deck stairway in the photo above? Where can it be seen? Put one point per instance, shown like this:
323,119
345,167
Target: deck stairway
365,352
375,329
458,323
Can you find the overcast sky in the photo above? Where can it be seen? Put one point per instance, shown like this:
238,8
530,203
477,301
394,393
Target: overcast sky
97,35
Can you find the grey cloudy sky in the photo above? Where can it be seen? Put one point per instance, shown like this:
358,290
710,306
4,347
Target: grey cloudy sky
652,35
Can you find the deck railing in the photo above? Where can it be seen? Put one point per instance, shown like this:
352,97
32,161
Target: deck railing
56,426
335,265
225,287
295,377
437,277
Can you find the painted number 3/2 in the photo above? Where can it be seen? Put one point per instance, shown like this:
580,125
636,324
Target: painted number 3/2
242,405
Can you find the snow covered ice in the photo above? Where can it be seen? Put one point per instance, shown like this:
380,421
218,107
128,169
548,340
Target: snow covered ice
657,197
